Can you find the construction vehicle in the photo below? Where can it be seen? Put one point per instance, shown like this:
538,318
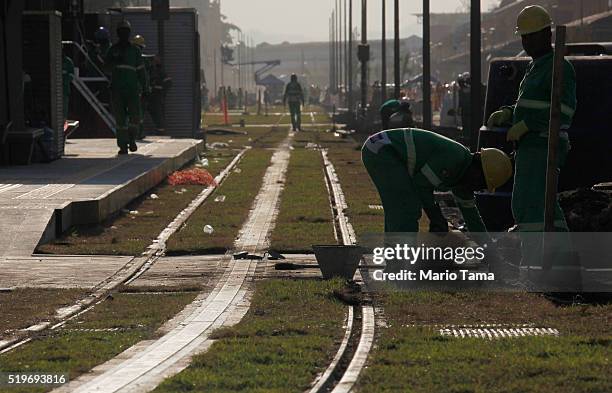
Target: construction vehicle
589,161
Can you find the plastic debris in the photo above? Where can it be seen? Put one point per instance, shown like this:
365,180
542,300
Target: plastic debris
311,145
195,176
134,212
237,170
220,198
217,145
208,229
154,196
204,162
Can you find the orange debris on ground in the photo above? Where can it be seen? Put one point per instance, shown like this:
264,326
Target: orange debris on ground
196,176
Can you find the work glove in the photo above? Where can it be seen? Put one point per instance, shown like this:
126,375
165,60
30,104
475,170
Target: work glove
500,118
517,131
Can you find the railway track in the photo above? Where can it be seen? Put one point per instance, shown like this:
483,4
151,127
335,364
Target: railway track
343,372
148,365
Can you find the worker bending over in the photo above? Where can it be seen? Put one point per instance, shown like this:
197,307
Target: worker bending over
407,165
529,121
129,80
396,114
295,96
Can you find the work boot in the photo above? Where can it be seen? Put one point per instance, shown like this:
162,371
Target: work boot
133,147
122,151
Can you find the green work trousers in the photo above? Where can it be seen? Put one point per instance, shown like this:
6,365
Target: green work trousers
126,109
397,191
295,110
530,183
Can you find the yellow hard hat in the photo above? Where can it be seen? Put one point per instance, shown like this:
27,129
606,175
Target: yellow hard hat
496,166
139,41
532,19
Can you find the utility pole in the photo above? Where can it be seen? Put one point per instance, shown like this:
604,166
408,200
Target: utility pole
340,46
350,59
396,50
475,74
427,112
346,54
364,56
383,77
331,56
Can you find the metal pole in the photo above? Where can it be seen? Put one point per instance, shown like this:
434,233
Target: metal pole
340,46
553,131
346,54
427,112
475,74
364,62
383,55
331,56
334,52
396,51
222,73
350,58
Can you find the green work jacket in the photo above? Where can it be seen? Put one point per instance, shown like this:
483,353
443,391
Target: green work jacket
127,67
533,103
437,163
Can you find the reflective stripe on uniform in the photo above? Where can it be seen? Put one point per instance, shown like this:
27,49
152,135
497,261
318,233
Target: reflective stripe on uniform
410,151
537,104
430,175
465,203
126,67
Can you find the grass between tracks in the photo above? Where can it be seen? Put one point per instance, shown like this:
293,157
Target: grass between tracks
226,217
418,359
305,216
129,233
23,307
290,333
74,350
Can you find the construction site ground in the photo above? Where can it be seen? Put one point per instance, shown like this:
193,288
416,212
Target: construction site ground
182,290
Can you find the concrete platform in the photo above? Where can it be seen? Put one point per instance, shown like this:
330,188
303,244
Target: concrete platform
37,202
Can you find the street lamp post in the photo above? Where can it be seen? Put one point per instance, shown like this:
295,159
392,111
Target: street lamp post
383,77
475,74
396,51
427,112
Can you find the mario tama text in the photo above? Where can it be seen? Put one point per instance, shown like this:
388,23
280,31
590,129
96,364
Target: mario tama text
425,263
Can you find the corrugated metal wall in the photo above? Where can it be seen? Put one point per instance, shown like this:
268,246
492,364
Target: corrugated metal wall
42,60
181,64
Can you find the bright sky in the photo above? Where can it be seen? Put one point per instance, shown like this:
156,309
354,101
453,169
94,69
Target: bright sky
275,21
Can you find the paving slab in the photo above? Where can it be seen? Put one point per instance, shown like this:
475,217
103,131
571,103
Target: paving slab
86,186
58,271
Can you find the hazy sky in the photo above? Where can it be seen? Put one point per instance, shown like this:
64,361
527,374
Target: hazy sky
275,21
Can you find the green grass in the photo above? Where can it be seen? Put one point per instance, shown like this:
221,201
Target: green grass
130,234
358,188
290,333
417,358
305,216
76,352
23,307
227,217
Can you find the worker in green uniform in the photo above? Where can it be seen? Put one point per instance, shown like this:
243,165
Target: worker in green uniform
295,96
407,165
67,76
396,114
387,109
139,41
160,84
529,121
124,59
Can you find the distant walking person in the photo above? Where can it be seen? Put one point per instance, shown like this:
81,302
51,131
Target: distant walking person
295,96
129,79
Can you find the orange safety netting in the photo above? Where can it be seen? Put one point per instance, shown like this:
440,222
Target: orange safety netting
195,176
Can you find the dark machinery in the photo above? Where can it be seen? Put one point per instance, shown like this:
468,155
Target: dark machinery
267,66
589,162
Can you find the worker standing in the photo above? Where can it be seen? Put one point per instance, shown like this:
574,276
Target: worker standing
140,42
294,95
124,59
529,118
67,77
407,165
160,84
